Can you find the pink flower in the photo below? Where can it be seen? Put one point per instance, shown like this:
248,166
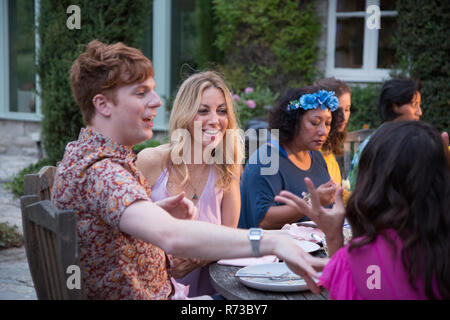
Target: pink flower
251,104
248,90
236,97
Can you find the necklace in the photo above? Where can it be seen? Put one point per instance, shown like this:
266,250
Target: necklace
194,197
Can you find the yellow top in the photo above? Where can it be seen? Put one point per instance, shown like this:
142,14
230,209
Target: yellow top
333,167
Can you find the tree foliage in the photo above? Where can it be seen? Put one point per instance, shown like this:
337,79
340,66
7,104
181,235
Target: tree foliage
423,52
270,43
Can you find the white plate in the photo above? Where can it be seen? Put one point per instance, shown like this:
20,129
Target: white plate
271,269
308,246
310,224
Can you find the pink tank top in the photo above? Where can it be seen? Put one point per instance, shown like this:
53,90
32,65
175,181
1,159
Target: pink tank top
209,210
374,271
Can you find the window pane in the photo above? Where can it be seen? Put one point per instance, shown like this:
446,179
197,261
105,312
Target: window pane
22,70
388,5
184,37
351,5
386,51
349,42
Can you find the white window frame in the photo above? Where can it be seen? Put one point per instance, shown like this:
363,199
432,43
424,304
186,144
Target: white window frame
5,112
369,71
162,15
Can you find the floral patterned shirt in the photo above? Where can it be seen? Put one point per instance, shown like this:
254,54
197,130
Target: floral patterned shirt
98,179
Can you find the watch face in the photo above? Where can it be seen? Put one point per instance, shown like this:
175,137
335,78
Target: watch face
255,233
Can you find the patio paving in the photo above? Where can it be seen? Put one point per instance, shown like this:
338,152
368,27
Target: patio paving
15,278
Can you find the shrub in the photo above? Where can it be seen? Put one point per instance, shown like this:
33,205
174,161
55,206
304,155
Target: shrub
364,111
252,103
146,144
268,43
9,236
423,52
16,186
59,47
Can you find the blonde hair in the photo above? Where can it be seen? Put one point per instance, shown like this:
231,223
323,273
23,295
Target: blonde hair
185,108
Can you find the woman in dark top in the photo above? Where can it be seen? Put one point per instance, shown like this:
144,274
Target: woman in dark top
302,118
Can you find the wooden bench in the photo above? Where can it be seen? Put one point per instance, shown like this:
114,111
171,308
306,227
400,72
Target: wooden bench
351,144
40,184
50,241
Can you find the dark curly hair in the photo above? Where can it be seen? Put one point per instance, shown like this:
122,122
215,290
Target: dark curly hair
335,138
288,121
404,184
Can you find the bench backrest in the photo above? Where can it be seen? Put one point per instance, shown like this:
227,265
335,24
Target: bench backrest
351,144
50,241
40,183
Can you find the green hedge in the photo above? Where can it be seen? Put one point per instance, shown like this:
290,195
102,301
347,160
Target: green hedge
268,43
422,45
364,111
124,21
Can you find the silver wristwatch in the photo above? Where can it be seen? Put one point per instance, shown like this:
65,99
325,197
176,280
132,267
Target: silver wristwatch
255,235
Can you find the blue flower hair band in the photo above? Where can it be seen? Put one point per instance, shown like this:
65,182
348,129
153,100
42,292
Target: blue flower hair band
324,99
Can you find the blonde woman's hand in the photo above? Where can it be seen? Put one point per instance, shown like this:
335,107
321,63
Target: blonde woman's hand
179,207
180,267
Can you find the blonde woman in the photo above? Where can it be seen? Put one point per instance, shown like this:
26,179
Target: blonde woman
202,162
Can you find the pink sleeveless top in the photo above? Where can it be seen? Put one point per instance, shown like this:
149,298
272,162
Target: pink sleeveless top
209,210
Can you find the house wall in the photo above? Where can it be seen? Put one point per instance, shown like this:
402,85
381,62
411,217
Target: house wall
19,137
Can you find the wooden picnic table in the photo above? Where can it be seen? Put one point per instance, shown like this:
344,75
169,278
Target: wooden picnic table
224,282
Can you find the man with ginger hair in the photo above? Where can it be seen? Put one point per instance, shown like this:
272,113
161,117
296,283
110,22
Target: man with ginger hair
123,236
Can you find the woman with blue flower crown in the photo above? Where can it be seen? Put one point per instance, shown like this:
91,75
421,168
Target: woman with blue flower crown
303,119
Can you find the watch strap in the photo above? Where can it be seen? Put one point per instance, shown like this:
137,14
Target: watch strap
255,235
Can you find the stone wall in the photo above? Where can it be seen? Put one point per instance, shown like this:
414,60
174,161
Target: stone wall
19,137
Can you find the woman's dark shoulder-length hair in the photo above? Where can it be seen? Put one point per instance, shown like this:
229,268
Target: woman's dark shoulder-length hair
396,92
288,121
404,184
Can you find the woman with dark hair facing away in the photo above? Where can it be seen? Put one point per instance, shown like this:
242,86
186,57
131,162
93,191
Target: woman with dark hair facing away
399,213
302,118
399,101
333,146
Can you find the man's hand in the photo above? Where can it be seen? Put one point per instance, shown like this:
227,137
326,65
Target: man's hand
300,262
179,207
